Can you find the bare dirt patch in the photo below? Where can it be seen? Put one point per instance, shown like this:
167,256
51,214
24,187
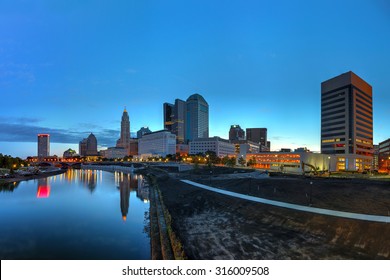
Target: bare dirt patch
215,226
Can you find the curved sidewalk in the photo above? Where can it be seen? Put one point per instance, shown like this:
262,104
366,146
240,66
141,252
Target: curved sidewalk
349,215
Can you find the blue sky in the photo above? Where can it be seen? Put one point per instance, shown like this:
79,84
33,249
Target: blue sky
68,68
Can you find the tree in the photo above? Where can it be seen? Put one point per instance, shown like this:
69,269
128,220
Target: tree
128,158
225,160
241,161
251,161
9,162
170,157
229,161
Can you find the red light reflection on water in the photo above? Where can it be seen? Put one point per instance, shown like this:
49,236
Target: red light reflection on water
43,192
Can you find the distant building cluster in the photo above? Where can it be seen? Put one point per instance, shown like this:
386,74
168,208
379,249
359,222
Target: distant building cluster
188,120
346,135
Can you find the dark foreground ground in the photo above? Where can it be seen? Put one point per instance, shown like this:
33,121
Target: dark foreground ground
215,226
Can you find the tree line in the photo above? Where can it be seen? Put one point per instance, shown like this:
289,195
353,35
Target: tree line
9,162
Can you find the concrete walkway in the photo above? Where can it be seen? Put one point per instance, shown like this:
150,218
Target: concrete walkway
349,215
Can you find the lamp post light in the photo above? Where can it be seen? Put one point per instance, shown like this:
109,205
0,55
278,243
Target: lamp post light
329,166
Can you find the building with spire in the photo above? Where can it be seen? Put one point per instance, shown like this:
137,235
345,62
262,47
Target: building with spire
124,140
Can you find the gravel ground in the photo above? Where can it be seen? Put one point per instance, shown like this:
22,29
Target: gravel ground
215,226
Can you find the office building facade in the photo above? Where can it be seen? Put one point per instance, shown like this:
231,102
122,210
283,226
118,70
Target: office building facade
159,143
143,130
168,110
114,153
243,147
257,135
236,133
197,118
292,162
346,121
221,147
384,156
175,119
88,146
43,145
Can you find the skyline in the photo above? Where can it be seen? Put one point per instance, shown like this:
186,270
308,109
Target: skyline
69,69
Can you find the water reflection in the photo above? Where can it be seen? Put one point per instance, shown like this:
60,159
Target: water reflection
43,188
124,188
88,177
143,190
83,214
127,183
8,187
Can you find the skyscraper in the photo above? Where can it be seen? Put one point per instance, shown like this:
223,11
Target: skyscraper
236,133
197,118
257,135
43,145
174,119
346,121
168,109
88,146
91,145
124,140
83,147
144,130
179,121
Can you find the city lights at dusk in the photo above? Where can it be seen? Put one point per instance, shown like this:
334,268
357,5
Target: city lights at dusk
234,135
69,68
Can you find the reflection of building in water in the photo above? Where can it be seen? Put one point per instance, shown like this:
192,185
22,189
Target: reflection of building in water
124,189
43,188
143,189
128,183
9,187
88,177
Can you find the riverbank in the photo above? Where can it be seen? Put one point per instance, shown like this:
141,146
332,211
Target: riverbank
216,226
19,178
165,244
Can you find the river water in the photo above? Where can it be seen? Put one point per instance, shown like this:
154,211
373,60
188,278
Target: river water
81,214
